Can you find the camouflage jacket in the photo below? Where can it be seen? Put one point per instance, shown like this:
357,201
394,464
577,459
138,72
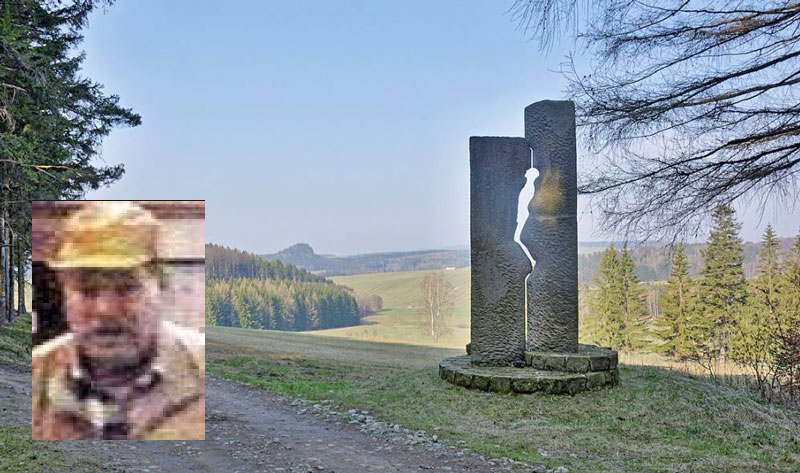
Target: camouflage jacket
166,402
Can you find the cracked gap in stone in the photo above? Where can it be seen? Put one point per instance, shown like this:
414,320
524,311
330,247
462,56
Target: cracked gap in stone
524,200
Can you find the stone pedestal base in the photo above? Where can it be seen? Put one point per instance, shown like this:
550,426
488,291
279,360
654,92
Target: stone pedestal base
552,373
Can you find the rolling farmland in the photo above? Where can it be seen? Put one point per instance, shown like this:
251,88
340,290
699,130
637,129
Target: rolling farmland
397,322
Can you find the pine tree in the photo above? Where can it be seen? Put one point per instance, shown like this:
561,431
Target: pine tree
52,118
769,259
676,307
212,307
757,337
722,291
277,321
607,301
244,307
633,307
788,356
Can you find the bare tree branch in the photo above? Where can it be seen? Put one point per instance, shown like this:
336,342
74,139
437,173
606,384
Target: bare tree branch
685,105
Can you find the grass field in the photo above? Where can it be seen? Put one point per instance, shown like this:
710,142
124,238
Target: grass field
396,323
17,451
15,341
657,420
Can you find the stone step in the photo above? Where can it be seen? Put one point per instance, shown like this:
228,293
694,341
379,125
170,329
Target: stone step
506,379
589,358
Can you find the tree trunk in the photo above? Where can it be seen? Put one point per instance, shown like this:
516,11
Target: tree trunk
21,263
10,287
3,265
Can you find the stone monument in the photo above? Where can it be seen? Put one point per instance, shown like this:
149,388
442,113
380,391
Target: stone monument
524,287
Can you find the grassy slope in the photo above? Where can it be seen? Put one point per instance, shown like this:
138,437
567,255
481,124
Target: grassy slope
17,451
396,323
15,341
656,420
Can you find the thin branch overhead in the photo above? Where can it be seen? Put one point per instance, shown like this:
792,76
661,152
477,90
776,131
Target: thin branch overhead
683,105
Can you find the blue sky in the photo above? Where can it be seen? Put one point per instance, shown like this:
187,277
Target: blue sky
342,124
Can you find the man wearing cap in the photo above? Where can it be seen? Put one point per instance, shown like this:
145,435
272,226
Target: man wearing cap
121,371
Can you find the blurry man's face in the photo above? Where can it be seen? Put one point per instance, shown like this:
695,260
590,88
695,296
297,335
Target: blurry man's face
111,312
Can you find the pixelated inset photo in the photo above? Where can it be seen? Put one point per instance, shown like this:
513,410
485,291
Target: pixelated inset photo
118,320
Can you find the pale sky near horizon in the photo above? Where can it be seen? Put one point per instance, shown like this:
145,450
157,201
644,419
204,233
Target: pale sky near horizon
341,124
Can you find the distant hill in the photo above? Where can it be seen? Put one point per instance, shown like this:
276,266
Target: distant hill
303,256
586,247
229,263
651,259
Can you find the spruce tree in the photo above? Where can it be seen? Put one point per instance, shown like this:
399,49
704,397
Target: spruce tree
608,299
243,306
769,261
765,287
788,356
212,306
723,290
789,283
676,307
757,336
633,306
52,118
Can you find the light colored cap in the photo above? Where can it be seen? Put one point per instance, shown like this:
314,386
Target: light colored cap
107,234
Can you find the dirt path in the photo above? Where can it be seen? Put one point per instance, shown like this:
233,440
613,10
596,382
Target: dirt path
249,430
15,395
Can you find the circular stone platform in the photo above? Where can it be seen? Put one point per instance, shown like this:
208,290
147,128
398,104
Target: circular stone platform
588,358
552,373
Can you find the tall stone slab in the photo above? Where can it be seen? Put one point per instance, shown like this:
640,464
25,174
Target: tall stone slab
499,266
551,233
499,191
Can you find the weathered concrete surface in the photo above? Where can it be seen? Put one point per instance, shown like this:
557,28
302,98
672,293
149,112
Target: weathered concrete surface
499,266
551,233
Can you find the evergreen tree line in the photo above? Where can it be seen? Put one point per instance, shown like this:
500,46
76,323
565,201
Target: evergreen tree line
243,290
279,304
715,318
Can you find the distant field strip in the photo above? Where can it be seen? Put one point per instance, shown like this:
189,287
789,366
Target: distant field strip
401,290
397,322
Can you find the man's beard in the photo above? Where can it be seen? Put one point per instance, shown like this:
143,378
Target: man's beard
112,354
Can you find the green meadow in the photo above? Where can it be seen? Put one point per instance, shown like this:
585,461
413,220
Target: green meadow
656,420
397,322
